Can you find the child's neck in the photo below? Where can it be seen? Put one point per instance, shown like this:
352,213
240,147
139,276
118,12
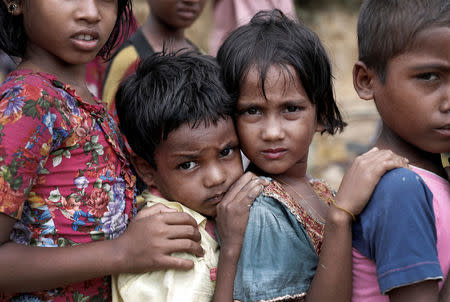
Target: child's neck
417,157
160,35
73,75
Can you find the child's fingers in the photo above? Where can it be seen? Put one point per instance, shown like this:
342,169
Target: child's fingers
374,149
171,262
250,191
183,231
155,209
185,246
236,188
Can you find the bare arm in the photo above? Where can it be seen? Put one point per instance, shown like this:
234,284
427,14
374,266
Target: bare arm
146,246
333,279
232,218
426,291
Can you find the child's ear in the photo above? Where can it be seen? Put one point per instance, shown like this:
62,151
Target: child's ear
14,7
363,80
320,127
145,171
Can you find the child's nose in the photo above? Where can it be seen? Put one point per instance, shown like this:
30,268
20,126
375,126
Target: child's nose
272,129
445,104
215,176
89,11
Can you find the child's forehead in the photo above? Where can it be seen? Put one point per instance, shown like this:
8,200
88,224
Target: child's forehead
187,133
274,73
427,35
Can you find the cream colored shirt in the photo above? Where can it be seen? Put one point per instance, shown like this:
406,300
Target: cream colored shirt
195,285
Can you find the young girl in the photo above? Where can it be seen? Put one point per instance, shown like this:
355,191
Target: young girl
164,28
64,180
279,76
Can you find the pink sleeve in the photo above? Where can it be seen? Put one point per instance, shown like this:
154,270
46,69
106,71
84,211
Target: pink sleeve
364,278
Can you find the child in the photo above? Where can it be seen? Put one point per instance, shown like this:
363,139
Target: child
164,27
185,145
64,182
402,241
280,80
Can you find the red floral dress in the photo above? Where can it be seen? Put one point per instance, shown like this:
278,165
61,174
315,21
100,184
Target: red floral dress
63,175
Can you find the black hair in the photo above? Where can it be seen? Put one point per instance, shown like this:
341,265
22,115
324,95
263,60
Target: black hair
387,28
270,39
166,91
13,38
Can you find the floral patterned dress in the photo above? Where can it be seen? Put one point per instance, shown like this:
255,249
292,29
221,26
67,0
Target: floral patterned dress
63,175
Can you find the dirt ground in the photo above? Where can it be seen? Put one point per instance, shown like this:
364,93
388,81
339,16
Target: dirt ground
336,26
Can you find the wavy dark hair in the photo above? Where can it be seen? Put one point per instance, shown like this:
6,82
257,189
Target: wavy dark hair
13,38
271,38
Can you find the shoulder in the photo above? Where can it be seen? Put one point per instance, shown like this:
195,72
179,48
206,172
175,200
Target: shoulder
20,82
401,204
400,188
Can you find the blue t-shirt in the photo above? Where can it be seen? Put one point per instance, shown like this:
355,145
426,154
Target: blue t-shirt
397,231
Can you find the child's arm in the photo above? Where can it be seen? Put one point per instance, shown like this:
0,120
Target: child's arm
232,218
332,281
151,237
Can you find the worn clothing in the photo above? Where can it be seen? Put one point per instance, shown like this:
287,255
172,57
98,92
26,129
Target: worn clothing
64,176
195,285
403,235
281,245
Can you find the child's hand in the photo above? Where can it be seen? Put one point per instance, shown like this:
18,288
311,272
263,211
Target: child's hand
363,175
153,235
233,210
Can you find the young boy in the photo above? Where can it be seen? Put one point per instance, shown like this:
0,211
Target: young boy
402,239
176,116
164,27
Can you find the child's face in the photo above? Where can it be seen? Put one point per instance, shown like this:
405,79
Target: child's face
176,13
414,102
71,31
197,166
275,134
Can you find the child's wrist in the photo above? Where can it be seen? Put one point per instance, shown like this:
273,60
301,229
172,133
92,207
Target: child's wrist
338,217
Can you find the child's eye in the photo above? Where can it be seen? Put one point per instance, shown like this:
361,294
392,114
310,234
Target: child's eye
251,111
227,151
428,76
291,108
187,165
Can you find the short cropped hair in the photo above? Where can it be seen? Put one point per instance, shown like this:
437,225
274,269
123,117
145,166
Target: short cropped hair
387,28
270,39
166,91
13,37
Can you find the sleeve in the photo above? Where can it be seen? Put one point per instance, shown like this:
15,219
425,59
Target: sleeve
397,231
166,286
25,138
277,257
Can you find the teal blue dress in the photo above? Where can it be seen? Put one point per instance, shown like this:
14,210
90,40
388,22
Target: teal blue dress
280,250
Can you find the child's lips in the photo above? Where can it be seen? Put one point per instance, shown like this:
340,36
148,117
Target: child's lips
187,13
274,153
86,40
216,198
444,130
